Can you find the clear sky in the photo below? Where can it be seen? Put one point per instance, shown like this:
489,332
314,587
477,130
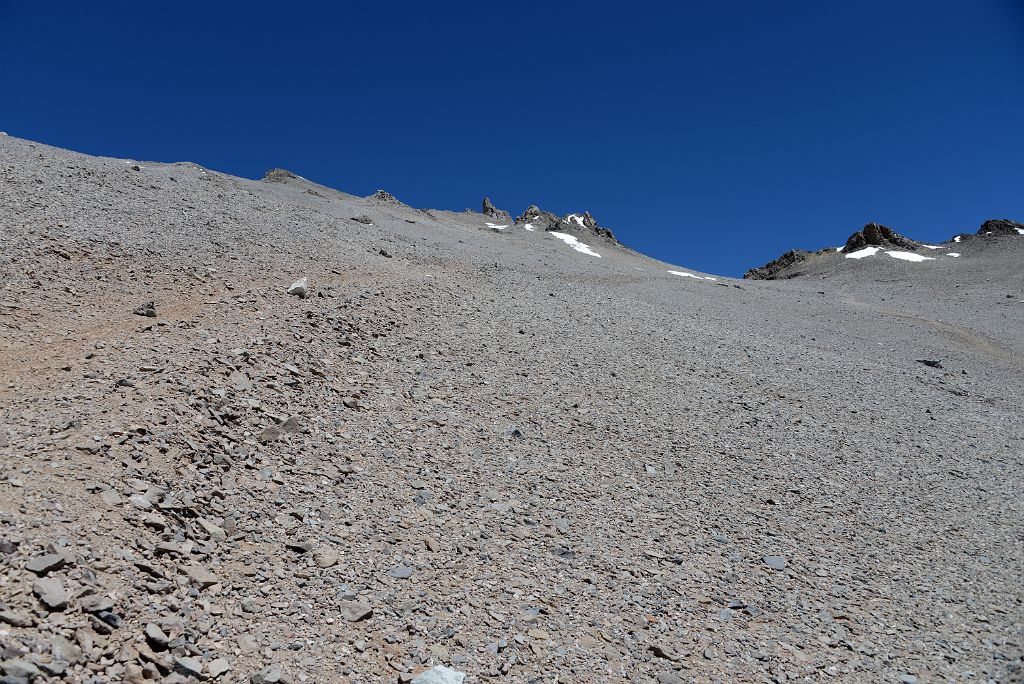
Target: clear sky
713,135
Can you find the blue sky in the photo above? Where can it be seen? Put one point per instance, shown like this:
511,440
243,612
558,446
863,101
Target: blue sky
711,135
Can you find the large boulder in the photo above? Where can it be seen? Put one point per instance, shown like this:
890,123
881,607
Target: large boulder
877,235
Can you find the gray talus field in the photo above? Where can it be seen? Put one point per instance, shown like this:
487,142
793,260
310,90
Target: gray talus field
476,447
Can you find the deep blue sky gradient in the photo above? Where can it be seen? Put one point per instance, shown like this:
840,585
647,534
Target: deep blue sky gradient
712,135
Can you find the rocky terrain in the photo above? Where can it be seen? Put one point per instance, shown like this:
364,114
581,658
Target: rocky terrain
874,239
267,431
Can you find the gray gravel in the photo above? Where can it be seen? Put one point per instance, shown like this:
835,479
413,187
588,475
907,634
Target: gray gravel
469,450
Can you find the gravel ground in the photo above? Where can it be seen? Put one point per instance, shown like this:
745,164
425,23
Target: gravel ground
481,449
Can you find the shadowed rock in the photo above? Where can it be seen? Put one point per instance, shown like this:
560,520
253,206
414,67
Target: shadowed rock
1001,227
877,235
773,269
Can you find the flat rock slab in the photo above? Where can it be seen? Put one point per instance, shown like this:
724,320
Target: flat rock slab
42,565
439,675
51,593
354,611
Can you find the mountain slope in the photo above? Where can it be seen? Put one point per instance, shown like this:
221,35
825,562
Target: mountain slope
487,448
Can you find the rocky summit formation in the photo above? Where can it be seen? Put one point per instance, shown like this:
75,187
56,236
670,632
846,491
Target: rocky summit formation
583,224
246,439
877,235
495,213
1001,227
781,267
385,197
278,176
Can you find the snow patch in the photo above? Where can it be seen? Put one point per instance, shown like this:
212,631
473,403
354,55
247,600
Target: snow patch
931,247
529,227
956,238
574,243
1020,231
909,256
953,254
691,275
574,218
861,253
495,226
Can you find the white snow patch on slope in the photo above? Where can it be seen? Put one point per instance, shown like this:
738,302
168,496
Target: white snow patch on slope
574,218
496,226
861,253
1020,231
909,256
574,243
956,238
529,227
691,275
931,247
953,254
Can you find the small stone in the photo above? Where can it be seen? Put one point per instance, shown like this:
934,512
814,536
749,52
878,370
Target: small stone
110,497
385,253
188,666
216,532
439,675
908,679
200,575
401,572
141,502
147,309
538,634
218,667
20,668
300,545
95,603
17,618
325,558
41,565
64,649
156,637
299,288
269,675
354,611
271,433
111,619
775,562
51,593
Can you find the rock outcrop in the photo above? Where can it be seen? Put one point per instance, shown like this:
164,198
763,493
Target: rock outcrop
779,268
1001,227
278,176
877,235
493,211
384,196
583,224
